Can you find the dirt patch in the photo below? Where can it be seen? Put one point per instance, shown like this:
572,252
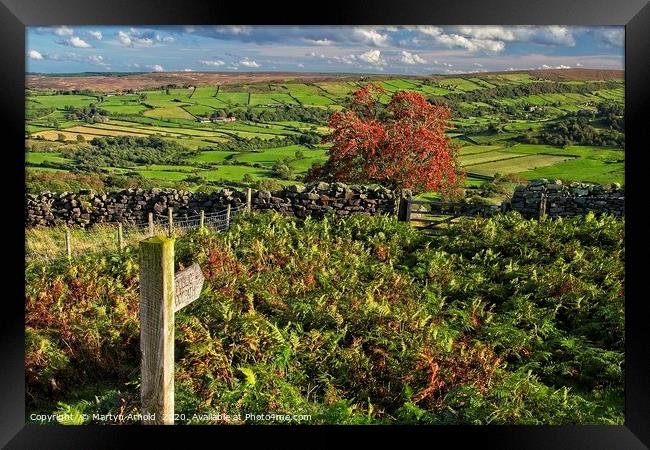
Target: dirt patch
111,83
141,81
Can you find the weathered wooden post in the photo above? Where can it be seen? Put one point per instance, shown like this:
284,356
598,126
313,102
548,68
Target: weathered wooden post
170,217
68,243
249,193
542,204
408,210
157,330
120,237
228,216
201,219
151,230
162,293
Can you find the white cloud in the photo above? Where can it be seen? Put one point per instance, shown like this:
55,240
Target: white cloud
301,65
249,63
63,31
561,66
33,54
472,45
487,32
157,68
76,41
578,65
143,38
372,57
547,35
124,38
429,30
238,29
478,64
320,42
555,34
188,70
370,36
96,34
610,37
96,60
216,62
411,58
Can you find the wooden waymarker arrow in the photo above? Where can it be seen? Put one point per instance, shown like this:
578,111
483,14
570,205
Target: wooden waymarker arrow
188,284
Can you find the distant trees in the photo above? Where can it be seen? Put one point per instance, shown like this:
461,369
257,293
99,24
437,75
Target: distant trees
36,113
526,89
576,130
284,171
126,151
88,114
280,113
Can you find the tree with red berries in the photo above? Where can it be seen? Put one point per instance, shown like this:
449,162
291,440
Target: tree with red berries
400,145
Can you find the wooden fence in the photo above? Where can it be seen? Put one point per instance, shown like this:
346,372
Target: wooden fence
430,214
427,214
43,244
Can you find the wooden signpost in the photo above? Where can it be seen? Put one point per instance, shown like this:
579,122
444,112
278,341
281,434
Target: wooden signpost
162,293
187,286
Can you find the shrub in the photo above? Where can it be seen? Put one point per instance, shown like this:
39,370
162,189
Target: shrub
357,320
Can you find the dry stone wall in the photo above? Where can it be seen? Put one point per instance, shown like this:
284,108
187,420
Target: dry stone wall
132,206
568,200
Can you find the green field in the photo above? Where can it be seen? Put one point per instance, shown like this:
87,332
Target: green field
61,101
213,156
39,157
587,170
483,157
515,165
172,114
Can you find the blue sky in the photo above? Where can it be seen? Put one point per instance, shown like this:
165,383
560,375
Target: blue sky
413,50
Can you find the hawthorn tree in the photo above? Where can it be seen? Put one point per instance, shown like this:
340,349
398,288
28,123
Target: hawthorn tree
400,145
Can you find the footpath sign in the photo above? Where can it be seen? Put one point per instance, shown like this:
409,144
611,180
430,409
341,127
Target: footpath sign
162,293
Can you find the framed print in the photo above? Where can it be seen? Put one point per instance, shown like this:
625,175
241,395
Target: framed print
413,216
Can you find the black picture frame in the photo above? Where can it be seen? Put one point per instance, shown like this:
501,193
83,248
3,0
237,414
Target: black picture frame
15,15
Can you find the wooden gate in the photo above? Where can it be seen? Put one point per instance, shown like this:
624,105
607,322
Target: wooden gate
431,214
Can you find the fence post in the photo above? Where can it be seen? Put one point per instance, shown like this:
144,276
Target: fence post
408,210
248,200
201,219
542,204
170,216
151,231
157,330
120,237
68,243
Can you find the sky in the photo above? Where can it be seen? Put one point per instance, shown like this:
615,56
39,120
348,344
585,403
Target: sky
411,50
